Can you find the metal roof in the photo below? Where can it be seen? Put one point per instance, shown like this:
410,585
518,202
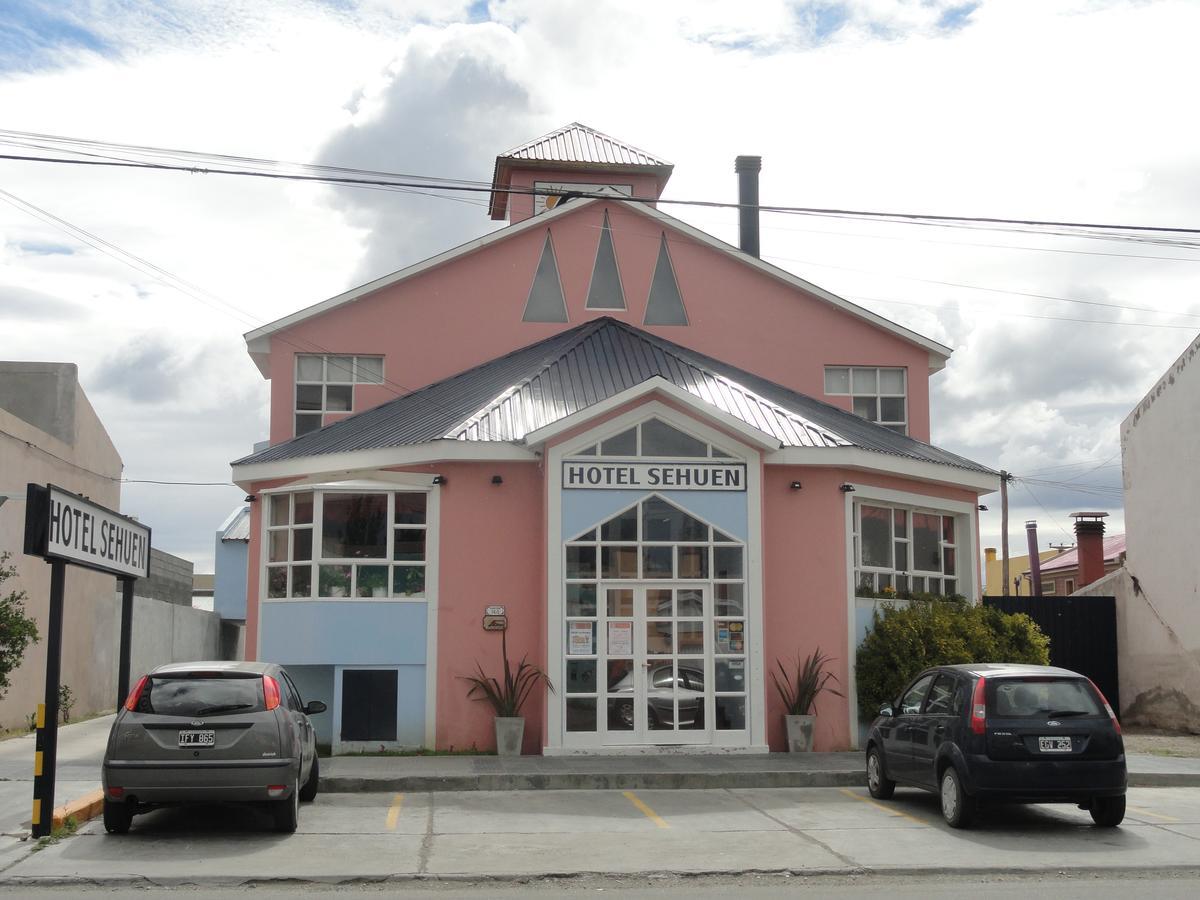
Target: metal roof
237,526
1114,546
576,143
536,386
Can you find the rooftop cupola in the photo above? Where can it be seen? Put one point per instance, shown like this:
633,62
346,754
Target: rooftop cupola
572,158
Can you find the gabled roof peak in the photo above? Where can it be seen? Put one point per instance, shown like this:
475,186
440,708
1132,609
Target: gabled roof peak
579,143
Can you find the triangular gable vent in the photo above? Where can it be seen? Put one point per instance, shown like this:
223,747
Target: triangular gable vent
546,303
665,304
605,290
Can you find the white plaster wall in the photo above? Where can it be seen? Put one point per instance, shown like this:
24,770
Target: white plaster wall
1160,649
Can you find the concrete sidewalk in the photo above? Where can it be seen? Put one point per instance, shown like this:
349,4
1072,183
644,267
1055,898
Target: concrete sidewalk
356,774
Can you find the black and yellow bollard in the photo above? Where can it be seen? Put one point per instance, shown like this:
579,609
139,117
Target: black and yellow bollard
38,774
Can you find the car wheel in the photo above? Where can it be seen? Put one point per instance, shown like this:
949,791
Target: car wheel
1107,812
287,812
958,807
880,786
117,817
308,793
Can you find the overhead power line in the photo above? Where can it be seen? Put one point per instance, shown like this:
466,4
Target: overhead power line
336,175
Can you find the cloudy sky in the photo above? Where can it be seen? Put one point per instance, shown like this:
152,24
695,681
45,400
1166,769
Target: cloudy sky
1047,109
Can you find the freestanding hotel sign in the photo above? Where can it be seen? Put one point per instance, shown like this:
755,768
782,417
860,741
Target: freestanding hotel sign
63,528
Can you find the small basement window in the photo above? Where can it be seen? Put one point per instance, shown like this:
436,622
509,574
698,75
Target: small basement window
369,704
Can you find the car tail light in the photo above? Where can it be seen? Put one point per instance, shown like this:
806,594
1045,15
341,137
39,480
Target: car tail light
116,793
270,692
1108,709
274,790
978,709
135,695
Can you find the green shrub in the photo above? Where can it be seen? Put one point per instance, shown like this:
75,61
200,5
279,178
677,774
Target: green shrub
905,640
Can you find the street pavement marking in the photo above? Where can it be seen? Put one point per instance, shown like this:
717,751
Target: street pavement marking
393,815
887,809
1153,815
649,813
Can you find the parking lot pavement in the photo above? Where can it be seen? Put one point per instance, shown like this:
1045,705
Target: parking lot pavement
521,834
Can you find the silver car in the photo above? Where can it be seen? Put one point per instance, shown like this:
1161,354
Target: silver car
211,732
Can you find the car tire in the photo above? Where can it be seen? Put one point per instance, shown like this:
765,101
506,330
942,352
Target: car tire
880,786
287,812
958,807
625,717
1108,812
117,817
308,793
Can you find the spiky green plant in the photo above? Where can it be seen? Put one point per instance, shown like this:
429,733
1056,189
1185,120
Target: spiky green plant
507,696
799,694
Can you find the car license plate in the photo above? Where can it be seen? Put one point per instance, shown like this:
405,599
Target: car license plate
197,738
1054,744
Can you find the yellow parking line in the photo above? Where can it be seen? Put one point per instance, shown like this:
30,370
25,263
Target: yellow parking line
647,811
393,815
887,809
1153,815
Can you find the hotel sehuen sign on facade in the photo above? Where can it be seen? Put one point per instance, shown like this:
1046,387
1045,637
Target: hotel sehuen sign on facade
675,476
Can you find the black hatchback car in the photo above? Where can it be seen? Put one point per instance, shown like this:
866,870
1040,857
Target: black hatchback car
1001,733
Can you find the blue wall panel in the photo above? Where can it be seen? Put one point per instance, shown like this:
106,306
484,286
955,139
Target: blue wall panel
343,632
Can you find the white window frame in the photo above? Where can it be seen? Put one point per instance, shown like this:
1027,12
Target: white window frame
900,425
967,541
901,575
752,570
354,377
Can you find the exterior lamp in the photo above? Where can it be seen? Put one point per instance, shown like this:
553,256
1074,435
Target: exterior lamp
846,487
496,479
796,485
440,479
981,508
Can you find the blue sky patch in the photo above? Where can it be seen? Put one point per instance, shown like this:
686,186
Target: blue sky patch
34,34
956,17
45,248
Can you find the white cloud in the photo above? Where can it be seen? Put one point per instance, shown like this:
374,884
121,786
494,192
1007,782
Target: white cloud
1021,108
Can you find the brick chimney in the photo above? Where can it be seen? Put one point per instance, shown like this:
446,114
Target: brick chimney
1089,539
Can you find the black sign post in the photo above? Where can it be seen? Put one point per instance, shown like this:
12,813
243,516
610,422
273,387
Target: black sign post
62,528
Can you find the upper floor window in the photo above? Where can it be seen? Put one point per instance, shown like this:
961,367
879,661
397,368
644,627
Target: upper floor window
878,395
654,438
325,384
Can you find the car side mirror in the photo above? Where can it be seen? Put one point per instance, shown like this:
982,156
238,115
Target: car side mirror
886,710
313,707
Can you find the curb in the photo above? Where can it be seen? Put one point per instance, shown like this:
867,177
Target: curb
80,809
816,874
633,781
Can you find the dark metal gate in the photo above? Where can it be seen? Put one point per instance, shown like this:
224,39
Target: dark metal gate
1082,632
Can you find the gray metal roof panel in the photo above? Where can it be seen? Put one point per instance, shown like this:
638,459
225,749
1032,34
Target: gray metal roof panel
530,388
576,143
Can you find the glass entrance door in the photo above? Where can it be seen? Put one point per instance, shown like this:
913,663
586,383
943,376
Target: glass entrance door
657,659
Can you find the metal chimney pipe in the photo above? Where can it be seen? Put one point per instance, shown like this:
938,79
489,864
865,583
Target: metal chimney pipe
747,168
1035,561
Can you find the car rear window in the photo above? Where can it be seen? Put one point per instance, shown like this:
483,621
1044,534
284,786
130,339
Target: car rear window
201,696
1024,698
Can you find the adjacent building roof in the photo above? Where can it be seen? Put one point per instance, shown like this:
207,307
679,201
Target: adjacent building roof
529,389
573,146
237,526
1114,546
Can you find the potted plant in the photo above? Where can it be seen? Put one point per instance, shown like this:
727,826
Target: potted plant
800,694
507,697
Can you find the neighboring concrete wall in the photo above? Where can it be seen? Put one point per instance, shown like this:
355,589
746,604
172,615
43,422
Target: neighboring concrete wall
1162,493
50,433
166,632
170,579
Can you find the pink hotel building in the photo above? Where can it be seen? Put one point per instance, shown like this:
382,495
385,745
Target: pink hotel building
672,463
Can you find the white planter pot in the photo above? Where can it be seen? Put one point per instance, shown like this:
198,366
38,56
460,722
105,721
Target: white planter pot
799,733
509,733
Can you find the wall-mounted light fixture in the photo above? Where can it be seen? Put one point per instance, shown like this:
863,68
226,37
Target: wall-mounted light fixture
981,508
250,498
440,479
796,485
496,479
846,487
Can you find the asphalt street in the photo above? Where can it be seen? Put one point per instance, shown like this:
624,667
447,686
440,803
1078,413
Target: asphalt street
512,836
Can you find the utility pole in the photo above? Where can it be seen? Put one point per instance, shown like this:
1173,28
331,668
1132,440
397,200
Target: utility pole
1004,479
